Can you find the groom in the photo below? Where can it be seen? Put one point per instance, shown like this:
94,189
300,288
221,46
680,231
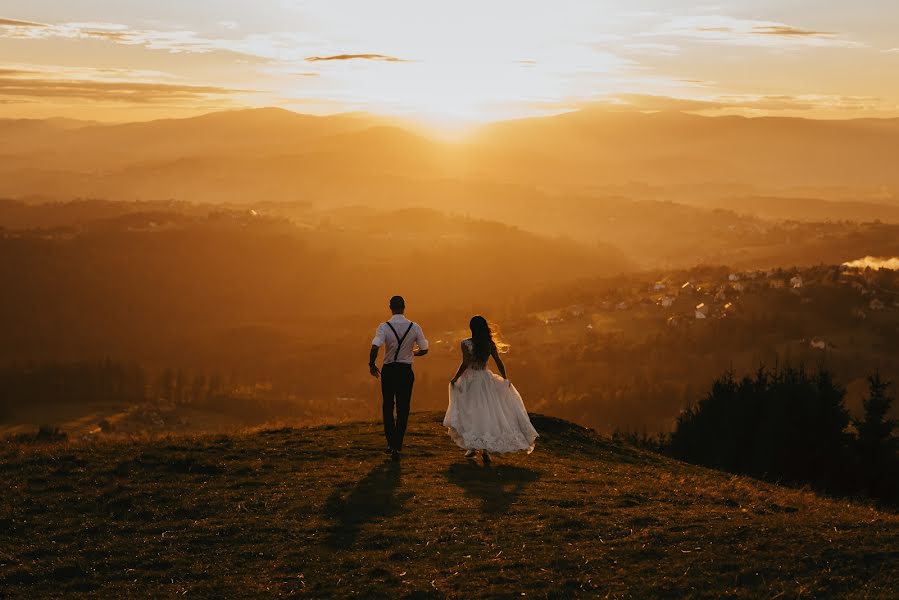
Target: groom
399,336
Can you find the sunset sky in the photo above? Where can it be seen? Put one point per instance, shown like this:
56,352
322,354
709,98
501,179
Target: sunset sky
447,62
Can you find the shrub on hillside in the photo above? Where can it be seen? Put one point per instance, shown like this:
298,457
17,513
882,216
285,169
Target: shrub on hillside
785,424
45,434
793,426
875,445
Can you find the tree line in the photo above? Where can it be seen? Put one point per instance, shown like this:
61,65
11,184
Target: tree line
788,424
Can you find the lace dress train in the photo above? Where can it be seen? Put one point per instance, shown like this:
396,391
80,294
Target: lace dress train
487,413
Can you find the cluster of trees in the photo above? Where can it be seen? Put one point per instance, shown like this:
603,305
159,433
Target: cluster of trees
88,382
50,390
181,387
103,383
791,425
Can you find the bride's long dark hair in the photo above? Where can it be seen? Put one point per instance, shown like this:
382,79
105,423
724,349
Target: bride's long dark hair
481,338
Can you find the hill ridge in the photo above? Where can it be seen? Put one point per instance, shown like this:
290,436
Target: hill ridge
320,512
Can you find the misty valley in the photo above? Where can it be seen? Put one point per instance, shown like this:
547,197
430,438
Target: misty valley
152,317
225,271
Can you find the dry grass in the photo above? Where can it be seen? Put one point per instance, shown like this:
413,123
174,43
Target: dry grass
320,513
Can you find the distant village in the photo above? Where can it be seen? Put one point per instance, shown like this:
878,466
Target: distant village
707,294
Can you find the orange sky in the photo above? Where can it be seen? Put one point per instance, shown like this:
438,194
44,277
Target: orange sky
464,61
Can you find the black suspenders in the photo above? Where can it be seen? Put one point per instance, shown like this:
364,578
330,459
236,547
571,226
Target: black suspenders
399,339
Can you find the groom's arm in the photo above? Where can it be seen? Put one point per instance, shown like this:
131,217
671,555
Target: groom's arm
421,341
376,344
372,357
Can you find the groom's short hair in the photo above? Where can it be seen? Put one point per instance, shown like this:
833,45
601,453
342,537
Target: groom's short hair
397,303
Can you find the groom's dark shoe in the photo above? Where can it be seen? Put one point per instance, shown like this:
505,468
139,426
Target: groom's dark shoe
388,450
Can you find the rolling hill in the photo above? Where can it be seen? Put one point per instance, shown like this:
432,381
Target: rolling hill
166,283
320,513
280,155
598,147
106,146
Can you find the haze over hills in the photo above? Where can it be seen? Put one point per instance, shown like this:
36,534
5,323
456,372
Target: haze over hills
252,225
278,295
598,147
282,155
131,281
232,133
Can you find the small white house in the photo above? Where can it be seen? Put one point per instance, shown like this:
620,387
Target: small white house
576,311
733,277
776,284
666,301
550,317
796,282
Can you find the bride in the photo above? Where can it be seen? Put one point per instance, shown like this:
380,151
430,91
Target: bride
485,411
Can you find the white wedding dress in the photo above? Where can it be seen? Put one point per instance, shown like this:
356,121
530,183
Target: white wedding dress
486,412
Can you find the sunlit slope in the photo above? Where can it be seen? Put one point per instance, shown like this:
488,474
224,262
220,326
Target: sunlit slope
320,512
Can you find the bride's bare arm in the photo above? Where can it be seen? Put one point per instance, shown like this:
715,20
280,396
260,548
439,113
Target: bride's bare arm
462,367
499,362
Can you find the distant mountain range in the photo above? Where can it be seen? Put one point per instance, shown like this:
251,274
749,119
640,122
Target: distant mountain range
275,154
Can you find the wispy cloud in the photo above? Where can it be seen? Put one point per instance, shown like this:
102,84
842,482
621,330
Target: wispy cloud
4,72
378,57
263,47
651,49
760,103
23,84
730,30
15,23
787,31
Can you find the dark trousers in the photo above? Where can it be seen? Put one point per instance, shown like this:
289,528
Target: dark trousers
396,389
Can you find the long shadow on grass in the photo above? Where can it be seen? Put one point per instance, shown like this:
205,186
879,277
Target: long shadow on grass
496,487
372,497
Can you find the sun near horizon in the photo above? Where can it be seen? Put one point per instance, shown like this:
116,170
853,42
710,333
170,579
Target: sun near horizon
447,67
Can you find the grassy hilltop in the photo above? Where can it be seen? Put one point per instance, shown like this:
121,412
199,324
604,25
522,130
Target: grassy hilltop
320,513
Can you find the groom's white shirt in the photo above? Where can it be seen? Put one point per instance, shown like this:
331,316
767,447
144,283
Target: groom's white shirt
385,337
